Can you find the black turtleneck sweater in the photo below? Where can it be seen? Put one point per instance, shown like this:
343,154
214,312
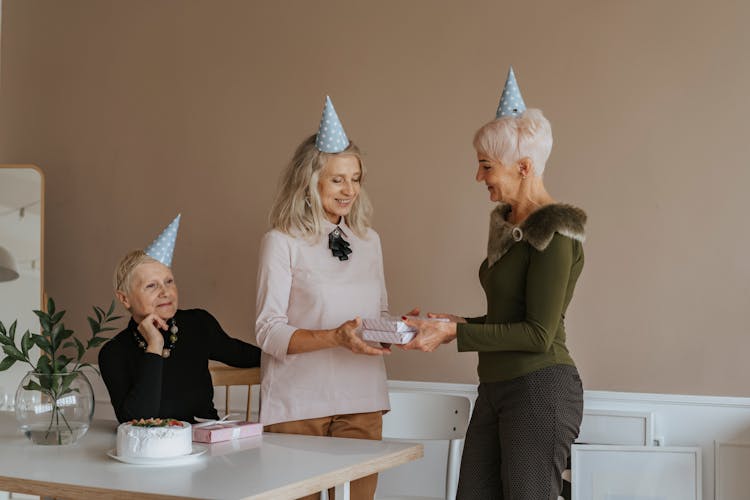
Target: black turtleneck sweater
143,385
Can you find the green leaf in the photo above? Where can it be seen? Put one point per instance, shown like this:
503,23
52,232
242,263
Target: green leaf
52,383
26,343
4,339
44,321
43,344
60,363
32,386
114,318
55,335
48,382
66,334
50,306
57,317
93,325
12,331
99,314
2,329
6,363
80,347
12,351
66,381
43,366
96,342
55,331
111,308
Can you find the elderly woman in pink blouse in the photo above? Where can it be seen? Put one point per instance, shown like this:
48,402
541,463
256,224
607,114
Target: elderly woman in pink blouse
320,272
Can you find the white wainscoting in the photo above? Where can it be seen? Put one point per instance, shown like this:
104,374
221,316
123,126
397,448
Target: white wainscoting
732,465
612,427
720,426
671,420
602,472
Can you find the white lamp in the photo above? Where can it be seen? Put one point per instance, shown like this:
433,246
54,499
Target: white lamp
8,268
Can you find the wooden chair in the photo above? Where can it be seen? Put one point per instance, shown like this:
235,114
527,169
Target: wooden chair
227,376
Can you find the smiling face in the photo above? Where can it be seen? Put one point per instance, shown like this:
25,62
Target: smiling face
152,290
503,182
338,186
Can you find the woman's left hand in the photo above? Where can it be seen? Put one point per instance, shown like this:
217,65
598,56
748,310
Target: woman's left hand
430,334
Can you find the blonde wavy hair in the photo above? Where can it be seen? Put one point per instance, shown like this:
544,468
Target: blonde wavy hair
510,138
298,208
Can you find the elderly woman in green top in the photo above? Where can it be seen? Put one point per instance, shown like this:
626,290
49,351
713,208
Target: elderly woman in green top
530,402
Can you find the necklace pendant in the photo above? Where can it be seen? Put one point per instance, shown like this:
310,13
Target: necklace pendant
165,353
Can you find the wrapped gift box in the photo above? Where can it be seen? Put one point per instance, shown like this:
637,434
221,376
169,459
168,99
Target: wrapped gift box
235,445
225,431
387,325
388,337
390,330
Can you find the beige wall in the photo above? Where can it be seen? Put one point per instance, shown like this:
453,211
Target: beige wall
139,109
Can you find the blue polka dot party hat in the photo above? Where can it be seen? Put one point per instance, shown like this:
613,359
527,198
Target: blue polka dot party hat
511,102
331,136
162,247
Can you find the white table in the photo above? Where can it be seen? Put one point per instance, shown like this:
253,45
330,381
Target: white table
274,466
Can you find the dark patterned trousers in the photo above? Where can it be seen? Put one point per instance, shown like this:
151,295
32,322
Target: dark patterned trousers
518,441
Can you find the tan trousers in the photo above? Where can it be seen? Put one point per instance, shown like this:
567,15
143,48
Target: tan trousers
355,425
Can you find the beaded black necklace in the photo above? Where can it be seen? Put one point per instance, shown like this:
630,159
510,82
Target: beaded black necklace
169,342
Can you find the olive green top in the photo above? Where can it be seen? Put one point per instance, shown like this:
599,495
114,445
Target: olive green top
528,287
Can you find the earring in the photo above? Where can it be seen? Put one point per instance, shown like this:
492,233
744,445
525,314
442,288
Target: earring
307,201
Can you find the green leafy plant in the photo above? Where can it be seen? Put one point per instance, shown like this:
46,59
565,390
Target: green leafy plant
62,353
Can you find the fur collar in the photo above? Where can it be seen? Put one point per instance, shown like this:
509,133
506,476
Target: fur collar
537,230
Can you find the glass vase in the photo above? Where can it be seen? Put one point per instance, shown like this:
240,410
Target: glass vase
56,408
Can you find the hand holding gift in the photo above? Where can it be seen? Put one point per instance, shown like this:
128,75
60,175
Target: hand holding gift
436,329
402,331
346,336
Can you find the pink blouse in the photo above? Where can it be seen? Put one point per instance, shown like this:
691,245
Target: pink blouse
302,285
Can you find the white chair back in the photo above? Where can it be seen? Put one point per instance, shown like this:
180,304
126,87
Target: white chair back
427,416
420,415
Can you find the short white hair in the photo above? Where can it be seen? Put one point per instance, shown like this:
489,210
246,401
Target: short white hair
510,138
126,266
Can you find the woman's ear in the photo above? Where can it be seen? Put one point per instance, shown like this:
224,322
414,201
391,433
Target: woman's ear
123,299
525,167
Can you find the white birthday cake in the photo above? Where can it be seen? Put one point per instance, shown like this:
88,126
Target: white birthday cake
154,438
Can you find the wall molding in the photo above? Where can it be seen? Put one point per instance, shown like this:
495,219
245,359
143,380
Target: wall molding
629,471
617,427
721,467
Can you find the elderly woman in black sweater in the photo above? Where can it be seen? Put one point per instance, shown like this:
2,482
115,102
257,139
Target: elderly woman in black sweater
158,365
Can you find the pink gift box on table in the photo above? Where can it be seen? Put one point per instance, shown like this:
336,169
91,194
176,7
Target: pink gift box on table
225,431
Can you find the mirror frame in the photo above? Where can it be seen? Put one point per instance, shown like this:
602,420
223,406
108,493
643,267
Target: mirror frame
42,208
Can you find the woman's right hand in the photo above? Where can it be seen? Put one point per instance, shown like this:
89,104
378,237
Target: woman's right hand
149,329
346,336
